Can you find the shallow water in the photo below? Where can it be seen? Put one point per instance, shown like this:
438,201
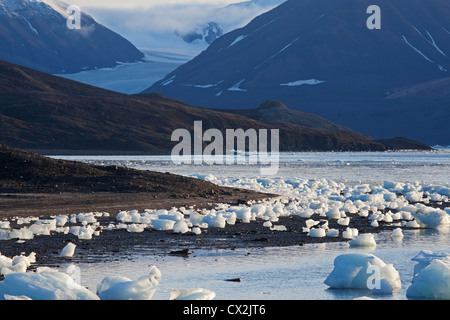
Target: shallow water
370,167
292,272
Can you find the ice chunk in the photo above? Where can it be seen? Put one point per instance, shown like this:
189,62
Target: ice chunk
344,221
192,294
122,288
363,240
311,223
425,257
333,213
332,233
163,224
363,271
317,233
135,228
432,282
397,233
350,233
68,250
181,227
267,224
431,218
45,284
215,221
279,228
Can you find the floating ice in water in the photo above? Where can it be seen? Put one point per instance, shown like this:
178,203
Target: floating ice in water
192,294
122,288
44,284
68,250
425,257
412,224
432,281
363,240
363,271
431,218
397,233
51,284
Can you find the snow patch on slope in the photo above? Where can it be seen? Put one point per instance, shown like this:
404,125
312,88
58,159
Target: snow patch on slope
236,86
302,82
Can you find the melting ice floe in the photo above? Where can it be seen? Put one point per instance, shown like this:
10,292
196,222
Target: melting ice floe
52,284
431,276
352,271
431,279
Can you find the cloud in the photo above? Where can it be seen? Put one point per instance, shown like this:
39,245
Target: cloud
157,19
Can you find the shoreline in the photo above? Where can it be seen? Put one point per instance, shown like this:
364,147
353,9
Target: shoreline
114,244
48,204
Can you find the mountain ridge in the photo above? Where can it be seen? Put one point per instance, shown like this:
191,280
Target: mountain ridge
35,34
320,56
42,112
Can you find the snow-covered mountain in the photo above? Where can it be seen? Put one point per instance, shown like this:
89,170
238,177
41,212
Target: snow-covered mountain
34,33
164,24
206,33
225,19
319,56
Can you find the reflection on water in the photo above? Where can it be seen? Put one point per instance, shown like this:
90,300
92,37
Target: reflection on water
292,272
270,273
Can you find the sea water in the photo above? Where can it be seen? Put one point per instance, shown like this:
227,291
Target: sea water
371,167
296,272
289,273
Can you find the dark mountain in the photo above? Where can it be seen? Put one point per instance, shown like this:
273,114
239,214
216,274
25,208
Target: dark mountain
53,115
320,56
275,111
436,89
35,34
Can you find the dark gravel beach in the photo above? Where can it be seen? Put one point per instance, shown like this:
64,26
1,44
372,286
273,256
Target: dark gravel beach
33,185
117,244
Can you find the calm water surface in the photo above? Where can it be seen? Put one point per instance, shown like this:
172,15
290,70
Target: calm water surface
293,272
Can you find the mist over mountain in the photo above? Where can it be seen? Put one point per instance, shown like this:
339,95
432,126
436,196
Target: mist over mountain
320,56
35,34
180,25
